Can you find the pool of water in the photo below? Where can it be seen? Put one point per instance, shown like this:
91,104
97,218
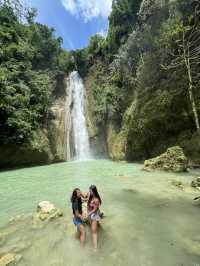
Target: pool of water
149,221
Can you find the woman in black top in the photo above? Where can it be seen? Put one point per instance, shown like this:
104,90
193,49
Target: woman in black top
78,214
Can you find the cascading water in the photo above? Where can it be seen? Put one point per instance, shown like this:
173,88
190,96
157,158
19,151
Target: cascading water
76,130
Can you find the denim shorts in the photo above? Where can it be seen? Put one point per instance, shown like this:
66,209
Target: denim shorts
77,221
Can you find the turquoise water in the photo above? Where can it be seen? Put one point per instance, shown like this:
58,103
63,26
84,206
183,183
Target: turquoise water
149,222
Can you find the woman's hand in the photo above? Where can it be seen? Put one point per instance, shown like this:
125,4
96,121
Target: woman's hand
84,196
84,217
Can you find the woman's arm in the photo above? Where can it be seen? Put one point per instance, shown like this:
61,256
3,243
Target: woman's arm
79,215
84,196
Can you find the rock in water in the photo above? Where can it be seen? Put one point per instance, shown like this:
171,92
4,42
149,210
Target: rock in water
46,207
46,211
196,183
9,259
173,160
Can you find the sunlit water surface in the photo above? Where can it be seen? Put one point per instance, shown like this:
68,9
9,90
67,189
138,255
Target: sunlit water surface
149,222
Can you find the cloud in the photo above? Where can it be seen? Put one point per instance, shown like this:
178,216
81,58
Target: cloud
88,9
103,33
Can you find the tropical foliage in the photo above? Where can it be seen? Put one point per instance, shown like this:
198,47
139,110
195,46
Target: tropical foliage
30,59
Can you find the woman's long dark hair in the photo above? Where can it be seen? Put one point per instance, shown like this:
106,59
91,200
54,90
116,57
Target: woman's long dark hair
74,194
95,194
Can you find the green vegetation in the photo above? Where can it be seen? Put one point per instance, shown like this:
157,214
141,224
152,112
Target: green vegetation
122,22
30,59
142,79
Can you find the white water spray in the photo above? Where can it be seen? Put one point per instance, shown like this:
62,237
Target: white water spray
79,130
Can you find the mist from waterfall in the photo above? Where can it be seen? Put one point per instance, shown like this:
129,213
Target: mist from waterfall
79,134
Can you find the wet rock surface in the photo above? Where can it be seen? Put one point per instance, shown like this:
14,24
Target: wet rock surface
196,183
46,211
9,259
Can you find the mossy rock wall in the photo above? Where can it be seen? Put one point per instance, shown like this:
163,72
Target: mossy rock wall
159,119
36,152
97,131
56,130
116,143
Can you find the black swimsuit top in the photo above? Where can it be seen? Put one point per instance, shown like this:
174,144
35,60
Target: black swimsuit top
77,206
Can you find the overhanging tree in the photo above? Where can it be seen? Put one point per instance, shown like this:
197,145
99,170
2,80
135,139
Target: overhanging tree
186,54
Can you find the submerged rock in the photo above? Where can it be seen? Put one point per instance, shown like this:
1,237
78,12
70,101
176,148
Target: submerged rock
196,183
173,159
130,190
17,247
2,240
46,211
5,232
9,259
192,246
177,183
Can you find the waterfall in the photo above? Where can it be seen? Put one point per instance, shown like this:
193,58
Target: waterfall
76,133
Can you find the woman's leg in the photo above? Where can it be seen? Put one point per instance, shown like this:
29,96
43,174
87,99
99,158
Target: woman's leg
82,234
94,225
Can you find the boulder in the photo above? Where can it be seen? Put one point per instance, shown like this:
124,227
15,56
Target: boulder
45,207
173,160
196,183
46,211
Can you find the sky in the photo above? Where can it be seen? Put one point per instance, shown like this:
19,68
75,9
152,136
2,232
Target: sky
73,20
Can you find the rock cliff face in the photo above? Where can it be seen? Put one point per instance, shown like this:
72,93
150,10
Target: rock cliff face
53,141
56,130
36,152
97,134
59,122
158,113
116,142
